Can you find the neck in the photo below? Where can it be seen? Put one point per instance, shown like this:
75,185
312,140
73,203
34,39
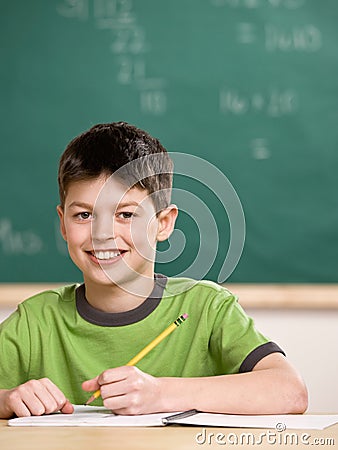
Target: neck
114,299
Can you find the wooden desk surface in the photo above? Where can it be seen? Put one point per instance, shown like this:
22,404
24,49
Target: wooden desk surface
158,438
265,296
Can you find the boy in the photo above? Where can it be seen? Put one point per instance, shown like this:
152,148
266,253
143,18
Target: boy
61,345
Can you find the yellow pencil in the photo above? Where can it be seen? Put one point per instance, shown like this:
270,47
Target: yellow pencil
147,349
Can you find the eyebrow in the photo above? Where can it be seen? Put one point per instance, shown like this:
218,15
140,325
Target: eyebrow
80,205
83,205
126,204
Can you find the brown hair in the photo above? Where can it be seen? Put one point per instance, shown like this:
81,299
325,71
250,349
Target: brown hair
118,148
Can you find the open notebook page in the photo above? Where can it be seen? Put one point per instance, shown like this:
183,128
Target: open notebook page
90,416
99,416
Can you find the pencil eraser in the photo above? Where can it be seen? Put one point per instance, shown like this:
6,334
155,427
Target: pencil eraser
185,315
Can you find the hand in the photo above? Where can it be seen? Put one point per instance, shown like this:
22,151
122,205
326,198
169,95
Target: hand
34,398
127,390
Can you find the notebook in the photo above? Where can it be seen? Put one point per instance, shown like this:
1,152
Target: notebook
94,416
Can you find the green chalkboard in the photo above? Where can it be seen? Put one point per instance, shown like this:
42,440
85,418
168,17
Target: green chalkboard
247,86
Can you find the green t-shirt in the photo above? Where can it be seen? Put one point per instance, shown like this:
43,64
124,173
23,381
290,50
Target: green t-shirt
57,334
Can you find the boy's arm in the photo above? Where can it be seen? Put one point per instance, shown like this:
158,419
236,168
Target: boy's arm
33,398
273,387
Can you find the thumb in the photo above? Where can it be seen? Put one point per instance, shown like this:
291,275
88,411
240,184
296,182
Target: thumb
67,408
91,385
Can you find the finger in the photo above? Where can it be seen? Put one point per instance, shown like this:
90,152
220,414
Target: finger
116,388
116,404
128,404
116,374
21,410
67,408
55,400
30,398
91,385
16,405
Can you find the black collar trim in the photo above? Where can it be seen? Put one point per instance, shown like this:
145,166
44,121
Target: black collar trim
104,319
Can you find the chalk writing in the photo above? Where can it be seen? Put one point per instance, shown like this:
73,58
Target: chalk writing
273,103
254,4
130,70
260,148
154,102
306,38
128,43
129,40
74,9
15,242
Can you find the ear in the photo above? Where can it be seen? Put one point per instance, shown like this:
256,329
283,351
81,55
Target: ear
61,215
166,222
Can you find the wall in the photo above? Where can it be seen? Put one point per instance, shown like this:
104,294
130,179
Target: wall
310,340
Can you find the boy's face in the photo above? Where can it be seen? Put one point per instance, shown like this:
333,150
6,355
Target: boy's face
112,232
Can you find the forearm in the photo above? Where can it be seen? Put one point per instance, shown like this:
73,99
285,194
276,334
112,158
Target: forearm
270,391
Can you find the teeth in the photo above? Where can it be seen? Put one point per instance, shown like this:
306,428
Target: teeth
106,255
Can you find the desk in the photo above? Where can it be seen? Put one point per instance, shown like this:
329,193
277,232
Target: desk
258,296
153,438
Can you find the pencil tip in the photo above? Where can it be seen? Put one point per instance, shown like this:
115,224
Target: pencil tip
89,400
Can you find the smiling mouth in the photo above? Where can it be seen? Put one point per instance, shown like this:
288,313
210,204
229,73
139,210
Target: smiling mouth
105,255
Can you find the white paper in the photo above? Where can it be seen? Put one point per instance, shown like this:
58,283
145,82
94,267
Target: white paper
90,416
95,416
279,422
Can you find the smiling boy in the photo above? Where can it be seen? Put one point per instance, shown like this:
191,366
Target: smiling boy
60,345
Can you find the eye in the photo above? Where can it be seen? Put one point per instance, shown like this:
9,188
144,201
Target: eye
83,215
125,215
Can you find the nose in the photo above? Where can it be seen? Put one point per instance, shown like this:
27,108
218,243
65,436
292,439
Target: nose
103,228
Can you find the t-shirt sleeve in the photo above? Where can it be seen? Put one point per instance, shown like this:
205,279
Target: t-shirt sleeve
235,343
14,349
